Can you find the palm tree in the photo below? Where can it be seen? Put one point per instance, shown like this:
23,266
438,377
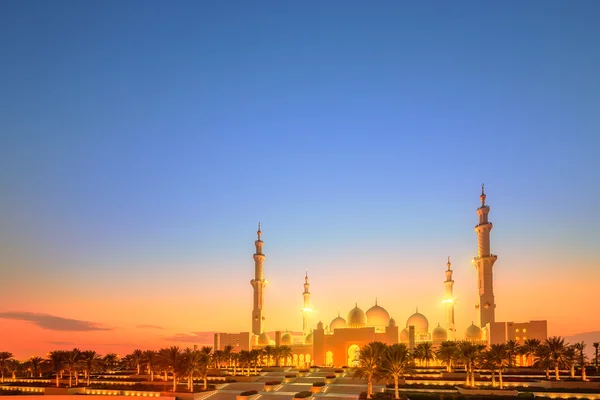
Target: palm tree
218,358
5,356
91,361
110,361
190,365
71,359
379,349
203,366
151,359
255,357
173,358
512,349
469,353
557,353
227,351
580,347
268,353
394,364
244,357
447,354
137,358
286,354
530,347
596,344
497,356
543,360
12,366
425,352
368,367
57,359
36,363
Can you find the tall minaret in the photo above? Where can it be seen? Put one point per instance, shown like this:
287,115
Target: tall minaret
258,284
306,310
484,262
449,302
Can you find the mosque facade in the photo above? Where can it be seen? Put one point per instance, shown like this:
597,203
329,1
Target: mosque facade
338,343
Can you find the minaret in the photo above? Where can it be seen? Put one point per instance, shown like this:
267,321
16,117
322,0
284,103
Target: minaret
306,310
484,263
449,302
258,284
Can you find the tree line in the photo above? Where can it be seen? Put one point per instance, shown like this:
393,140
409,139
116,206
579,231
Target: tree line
391,362
173,362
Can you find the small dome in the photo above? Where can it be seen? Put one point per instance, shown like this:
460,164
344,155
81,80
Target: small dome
264,339
337,323
377,316
404,335
419,321
392,322
308,338
287,339
320,325
473,332
439,334
356,318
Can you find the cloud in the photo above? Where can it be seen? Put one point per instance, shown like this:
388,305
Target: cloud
54,323
145,326
194,337
57,343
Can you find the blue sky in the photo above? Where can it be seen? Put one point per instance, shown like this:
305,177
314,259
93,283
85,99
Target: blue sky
138,134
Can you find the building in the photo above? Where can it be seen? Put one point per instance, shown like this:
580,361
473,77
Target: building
338,343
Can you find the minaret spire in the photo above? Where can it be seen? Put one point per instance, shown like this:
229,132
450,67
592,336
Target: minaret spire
449,303
484,263
306,310
258,284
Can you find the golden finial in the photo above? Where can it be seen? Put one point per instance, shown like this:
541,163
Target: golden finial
258,232
306,277
448,262
482,197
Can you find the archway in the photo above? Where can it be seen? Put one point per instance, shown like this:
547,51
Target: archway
307,359
353,355
301,360
329,359
295,360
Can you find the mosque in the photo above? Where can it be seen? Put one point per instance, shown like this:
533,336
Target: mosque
338,343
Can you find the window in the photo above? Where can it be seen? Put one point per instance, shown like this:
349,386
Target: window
517,330
524,330
517,338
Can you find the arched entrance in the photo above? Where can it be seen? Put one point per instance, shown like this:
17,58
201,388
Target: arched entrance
353,353
329,359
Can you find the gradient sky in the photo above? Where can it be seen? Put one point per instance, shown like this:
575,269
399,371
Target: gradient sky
142,141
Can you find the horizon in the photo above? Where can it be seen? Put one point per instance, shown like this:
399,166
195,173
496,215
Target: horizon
143,142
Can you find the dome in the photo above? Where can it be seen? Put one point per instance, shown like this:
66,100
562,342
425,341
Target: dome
419,321
308,338
356,318
439,334
320,325
404,335
287,339
264,339
473,332
377,316
392,322
337,323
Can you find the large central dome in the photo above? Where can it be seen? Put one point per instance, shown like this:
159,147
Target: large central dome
356,318
419,321
377,316
337,323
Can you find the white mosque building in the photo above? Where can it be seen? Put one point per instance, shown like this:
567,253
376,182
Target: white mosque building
337,344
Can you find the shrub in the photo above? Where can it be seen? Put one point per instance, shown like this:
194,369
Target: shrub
290,376
330,377
272,383
303,370
338,371
318,384
302,395
248,393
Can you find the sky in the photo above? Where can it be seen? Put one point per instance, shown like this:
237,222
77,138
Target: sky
142,141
